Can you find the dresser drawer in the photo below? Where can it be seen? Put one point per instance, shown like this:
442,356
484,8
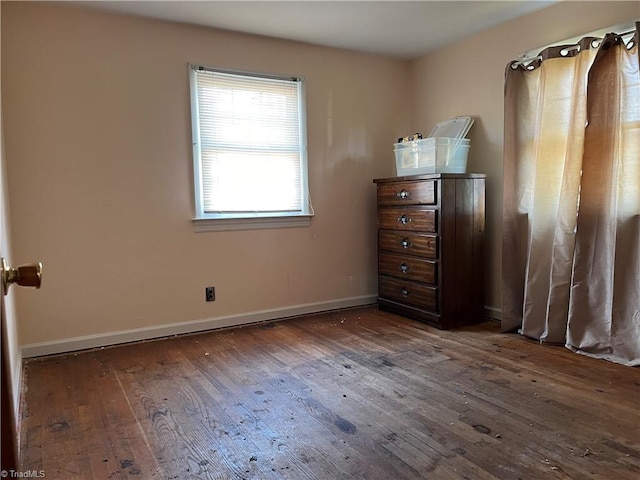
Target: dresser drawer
419,244
407,218
410,268
408,293
407,193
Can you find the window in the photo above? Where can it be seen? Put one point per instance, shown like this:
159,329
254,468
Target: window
249,145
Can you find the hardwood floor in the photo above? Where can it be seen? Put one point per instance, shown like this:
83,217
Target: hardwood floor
349,394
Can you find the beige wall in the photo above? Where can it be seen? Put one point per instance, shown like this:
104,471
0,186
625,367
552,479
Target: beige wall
97,127
468,79
97,124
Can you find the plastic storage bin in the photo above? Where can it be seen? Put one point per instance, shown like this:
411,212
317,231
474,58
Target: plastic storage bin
445,151
432,155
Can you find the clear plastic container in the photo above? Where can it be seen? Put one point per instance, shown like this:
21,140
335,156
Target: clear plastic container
445,151
432,155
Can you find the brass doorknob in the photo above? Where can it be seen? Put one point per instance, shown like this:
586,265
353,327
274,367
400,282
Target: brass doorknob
29,275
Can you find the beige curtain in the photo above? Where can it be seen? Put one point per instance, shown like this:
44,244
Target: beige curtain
571,223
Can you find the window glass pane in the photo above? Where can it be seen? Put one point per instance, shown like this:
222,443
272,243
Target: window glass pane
273,184
249,143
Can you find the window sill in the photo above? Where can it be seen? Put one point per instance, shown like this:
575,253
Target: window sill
221,224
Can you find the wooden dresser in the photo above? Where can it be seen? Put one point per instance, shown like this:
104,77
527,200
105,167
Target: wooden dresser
431,247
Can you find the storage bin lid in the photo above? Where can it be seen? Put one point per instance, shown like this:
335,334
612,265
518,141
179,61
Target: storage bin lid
455,128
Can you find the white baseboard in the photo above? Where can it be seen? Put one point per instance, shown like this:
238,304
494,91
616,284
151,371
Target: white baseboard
493,313
147,333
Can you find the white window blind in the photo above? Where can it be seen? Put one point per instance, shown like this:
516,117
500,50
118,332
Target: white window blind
249,145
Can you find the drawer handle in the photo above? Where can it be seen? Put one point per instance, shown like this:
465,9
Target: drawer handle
403,194
404,219
405,292
404,268
405,243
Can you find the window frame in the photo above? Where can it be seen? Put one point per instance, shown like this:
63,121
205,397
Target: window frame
203,221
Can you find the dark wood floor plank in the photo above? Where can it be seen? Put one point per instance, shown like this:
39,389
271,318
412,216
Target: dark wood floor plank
309,407
439,421
353,394
242,419
171,416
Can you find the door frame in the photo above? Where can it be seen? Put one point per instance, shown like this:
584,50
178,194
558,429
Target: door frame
9,435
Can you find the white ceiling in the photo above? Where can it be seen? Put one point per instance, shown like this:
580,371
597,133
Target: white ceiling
402,29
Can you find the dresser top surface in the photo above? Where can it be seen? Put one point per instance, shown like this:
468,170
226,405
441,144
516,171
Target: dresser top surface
431,176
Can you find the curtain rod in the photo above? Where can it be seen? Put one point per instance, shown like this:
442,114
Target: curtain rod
525,62
628,28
